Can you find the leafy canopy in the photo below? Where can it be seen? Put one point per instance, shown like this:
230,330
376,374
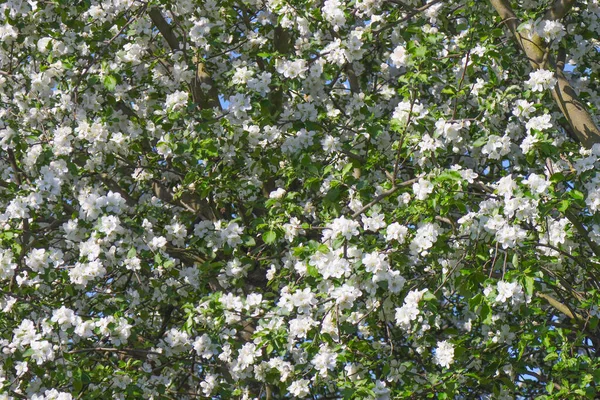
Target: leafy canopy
268,199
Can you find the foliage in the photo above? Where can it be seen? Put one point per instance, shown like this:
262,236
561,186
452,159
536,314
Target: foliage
268,199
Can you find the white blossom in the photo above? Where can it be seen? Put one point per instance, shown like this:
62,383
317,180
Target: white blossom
325,360
541,80
444,354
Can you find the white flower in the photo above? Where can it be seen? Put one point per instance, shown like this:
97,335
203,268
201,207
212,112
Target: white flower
444,354
333,14
246,357
374,222
537,183
510,290
84,329
64,317
42,351
37,259
330,264
176,233
157,242
375,262
341,226
42,44
109,224
82,273
541,80
132,52
399,57
299,327
304,300
523,108
381,391
199,31
52,394
528,143
261,83
424,239
277,194
242,75
325,360
422,189
231,234
505,186
410,310
7,265
299,388
203,228
496,146
8,33
238,105
403,111
550,30
203,346
592,201
397,232
121,332
293,229
450,131
557,233
21,367
539,123
331,144
176,100
345,296
209,384
176,338
292,69
510,236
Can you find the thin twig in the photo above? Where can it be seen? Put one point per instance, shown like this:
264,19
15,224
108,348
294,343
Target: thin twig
383,196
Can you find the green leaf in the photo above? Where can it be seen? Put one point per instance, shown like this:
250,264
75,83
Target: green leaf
563,205
576,194
529,285
347,168
428,296
557,177
475,301
449,176
131,253
269,237
421,51
77,385
110,82
333,195
312,271
486,314
480,142
189,323
249,241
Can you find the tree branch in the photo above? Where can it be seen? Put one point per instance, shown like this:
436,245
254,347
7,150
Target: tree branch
538,54
188,201
201,78
559,9
164,28
559,306
383,196
116,188
572,217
